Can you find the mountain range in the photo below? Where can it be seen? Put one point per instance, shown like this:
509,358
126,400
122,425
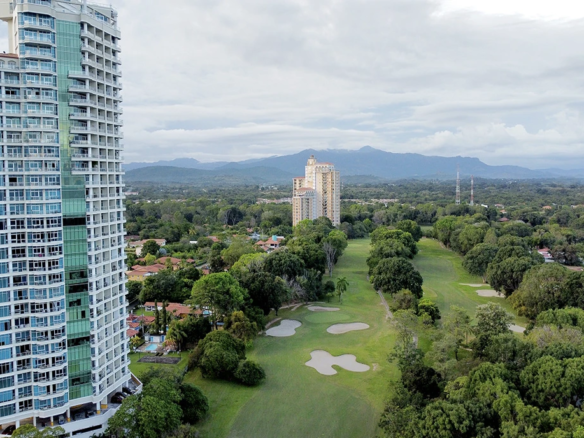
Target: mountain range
367,164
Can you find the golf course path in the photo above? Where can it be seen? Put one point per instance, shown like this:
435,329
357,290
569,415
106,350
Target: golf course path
388,315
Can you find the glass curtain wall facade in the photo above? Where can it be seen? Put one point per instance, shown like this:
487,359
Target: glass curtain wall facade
63,347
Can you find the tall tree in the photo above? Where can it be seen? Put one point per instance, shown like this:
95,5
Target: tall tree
220,292
393,275
150,247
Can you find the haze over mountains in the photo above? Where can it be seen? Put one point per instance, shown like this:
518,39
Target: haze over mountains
367,164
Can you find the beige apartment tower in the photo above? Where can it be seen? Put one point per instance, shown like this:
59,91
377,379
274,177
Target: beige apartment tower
317,193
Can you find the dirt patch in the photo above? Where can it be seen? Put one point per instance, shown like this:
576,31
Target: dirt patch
489,293
474,284
516,328
168,360
286,328
322,361
322,309
375,366
296,307
339,329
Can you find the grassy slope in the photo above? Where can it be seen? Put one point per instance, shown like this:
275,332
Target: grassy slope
443,272
297,401
138,368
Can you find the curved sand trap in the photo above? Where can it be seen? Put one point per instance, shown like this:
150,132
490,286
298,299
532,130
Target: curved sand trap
490,293
322,309
473,284
516,328
286,328
339,329
322,361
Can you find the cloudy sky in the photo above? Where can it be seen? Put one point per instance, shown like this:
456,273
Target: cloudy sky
502,80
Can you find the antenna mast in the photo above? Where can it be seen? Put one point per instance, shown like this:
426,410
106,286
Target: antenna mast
457,184
471,190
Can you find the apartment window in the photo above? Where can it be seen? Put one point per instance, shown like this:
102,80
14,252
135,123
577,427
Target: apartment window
34,209
4,296
17,224
36,237
18,266
18,253
4,327
35,223
16,209
55,250
54,236
52,180
4,312
34,195
54,222
54,208
52,194
33,180
17,238
16,195
36,251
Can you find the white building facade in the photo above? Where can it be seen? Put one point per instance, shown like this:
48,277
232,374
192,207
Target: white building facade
62,284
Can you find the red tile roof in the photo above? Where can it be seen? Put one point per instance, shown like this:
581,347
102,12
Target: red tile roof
131,333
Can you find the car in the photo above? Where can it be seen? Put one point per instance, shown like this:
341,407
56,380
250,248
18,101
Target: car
61,419
9,430
79,416
117,399
127,390
121,394
90,414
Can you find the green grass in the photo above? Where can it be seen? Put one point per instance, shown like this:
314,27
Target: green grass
138,368
297,401
140,312
443,274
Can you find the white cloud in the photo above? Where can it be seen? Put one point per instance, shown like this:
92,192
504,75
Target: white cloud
224,79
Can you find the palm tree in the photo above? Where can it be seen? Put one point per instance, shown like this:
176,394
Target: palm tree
342,285
176,334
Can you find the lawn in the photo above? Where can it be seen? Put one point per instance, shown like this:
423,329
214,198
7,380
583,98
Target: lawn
443,274
297,401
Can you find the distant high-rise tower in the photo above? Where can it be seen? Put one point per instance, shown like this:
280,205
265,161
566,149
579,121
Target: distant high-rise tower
64,347
457,184
318,193
471,190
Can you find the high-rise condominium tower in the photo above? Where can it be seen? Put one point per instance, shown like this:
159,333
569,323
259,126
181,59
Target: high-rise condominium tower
63,347
317,193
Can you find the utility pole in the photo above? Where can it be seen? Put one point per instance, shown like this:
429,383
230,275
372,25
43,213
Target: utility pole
471,190
457,184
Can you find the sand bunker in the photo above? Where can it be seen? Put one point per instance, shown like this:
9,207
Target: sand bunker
322,309
339,329
286,328
516,328
490,293
322,361
473,284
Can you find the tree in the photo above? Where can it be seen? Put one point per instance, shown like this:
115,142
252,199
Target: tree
177,334
476,261
239,325
134,288
507,274
457,324
151,414
311,254
393,275
220,353
492,320
542,289
164,317
236,249
386,250
159,287
150,247
411,227
444,228
341,287
216,262
30,431
382,234
284,264
220,292
265,290
194,403
250,373
425,306
330,252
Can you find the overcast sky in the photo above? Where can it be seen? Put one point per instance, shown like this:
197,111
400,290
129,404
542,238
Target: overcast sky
501,80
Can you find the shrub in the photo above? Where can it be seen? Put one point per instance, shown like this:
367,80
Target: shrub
218,361
194,403
250,373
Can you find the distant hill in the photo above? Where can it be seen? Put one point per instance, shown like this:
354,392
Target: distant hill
200,177
365,165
